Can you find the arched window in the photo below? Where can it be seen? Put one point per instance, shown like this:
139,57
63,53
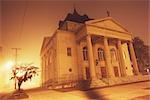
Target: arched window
85,53
100,53
113,55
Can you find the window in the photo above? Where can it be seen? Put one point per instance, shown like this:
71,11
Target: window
85,53
100,54
113,55
68,51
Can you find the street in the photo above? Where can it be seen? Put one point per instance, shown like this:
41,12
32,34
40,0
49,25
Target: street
134,91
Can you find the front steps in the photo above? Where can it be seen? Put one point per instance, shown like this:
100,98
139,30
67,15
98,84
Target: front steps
87,84
125,80
97,83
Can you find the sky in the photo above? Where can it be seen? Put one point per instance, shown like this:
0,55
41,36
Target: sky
24,24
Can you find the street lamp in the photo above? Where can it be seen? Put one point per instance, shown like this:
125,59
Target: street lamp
9,64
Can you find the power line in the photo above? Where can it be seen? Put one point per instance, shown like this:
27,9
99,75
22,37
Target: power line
23,19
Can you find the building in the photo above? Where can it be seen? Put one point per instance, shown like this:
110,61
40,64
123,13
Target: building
96,50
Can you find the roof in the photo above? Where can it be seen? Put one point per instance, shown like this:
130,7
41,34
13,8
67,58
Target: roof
75,17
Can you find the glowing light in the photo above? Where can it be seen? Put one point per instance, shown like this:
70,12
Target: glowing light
9,65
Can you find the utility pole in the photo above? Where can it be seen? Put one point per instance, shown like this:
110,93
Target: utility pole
16,56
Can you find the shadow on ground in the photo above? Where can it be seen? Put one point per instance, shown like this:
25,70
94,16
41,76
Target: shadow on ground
146,97
91,93
84,86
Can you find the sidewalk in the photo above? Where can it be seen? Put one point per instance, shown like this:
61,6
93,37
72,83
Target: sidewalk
135,91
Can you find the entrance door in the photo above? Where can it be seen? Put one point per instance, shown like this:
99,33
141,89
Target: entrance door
87,72
103,72
116,71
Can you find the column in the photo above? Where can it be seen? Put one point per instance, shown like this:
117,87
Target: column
42,76
133,59
91,58
108,59
97,70
44,70
122,63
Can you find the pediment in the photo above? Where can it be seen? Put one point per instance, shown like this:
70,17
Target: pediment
107,23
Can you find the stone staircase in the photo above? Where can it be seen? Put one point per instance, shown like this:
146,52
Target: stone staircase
125,80
97,83
87,84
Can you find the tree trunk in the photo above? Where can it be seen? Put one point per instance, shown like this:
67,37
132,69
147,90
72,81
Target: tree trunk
19,85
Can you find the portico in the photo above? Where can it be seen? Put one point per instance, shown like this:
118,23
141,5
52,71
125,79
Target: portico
109,42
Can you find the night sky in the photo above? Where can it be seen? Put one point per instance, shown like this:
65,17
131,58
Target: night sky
24,24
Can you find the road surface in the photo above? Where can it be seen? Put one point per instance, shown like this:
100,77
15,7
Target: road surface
134,91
